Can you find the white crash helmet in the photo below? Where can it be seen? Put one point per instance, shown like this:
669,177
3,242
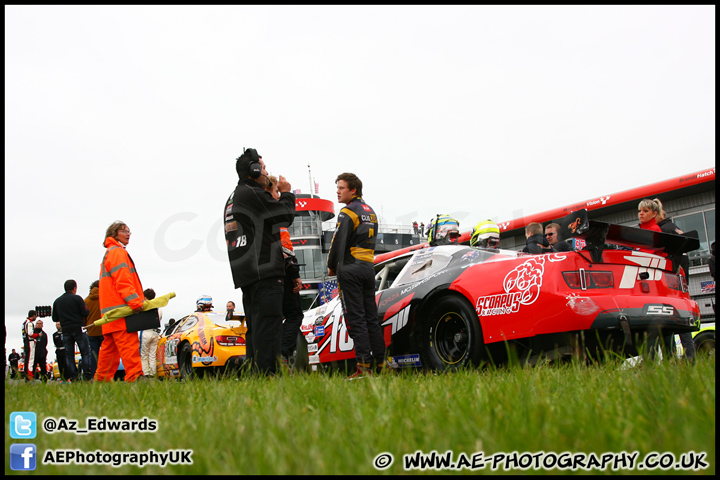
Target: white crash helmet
204,302
443,230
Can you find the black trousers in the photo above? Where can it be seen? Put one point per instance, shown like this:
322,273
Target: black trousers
293,313
61,362
263,302
41,364
356,283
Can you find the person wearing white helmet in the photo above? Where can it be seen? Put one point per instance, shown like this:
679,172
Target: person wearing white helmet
485,234
204,303
443,230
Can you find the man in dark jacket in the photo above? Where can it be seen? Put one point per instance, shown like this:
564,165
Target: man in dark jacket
14,364
40,361
252,231
70,310
536,241
60,351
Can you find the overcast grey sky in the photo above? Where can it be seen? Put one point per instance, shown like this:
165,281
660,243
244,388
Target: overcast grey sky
137,113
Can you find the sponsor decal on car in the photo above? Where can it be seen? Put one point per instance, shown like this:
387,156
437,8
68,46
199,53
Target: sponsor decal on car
312,348
653,264
521,285
402,361
470,256
204,342
498,304
388,300
659,310
171,350
399,320
412,287
338,339
198,359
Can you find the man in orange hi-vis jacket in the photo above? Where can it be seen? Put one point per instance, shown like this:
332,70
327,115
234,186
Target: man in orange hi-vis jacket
119,286
292,305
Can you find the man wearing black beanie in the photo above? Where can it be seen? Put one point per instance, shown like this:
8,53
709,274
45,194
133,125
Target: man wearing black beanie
252,232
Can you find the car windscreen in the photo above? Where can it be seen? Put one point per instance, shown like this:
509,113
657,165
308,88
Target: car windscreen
389,271
422,265
190,322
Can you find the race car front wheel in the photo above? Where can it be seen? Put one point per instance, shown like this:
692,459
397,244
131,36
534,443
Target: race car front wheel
451,335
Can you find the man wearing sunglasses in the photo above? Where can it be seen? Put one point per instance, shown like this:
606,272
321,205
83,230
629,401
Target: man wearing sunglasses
551,233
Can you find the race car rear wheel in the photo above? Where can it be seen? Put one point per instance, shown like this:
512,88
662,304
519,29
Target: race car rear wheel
451,335
185,360
705,343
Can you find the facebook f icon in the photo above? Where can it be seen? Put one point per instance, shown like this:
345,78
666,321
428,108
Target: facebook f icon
23,456
23,425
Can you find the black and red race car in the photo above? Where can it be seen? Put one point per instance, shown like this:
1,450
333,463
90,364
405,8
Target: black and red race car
448,306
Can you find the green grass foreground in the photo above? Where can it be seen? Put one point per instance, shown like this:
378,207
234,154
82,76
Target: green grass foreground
320,424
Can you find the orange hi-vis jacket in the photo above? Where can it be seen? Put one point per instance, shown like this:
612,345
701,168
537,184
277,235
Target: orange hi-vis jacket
119,284
285,239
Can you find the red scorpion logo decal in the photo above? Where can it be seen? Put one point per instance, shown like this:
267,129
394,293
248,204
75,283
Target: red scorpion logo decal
574,225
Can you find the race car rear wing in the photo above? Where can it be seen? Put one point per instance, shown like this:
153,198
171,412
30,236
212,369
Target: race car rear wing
598,235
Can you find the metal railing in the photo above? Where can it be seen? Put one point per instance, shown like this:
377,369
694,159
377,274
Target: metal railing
384,228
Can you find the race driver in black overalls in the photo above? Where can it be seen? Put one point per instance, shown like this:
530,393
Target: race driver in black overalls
352,256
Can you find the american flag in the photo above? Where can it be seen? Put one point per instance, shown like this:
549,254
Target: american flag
328,291
317,188
297,191
707,287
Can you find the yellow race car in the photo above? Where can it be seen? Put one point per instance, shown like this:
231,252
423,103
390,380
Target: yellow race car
201,342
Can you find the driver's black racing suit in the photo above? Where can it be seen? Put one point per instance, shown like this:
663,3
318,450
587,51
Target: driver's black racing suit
352,255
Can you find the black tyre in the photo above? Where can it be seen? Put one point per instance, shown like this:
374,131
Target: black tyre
451,335
705,343
187,372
